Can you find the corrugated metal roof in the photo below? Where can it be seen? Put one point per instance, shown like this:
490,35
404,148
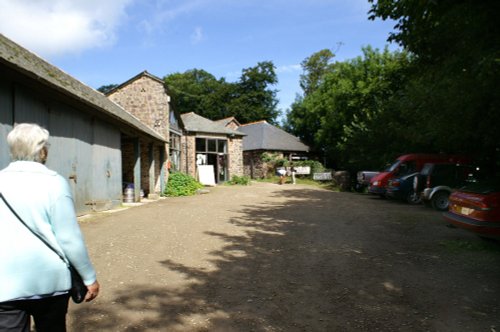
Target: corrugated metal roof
264,136
196,123
26,62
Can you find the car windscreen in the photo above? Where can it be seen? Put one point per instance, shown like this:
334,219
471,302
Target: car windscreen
393,166
484,186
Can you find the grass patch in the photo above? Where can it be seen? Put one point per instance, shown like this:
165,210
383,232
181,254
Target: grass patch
467,245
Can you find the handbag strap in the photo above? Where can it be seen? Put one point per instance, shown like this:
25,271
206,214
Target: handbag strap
33,232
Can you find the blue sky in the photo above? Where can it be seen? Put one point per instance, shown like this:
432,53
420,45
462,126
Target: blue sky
109,41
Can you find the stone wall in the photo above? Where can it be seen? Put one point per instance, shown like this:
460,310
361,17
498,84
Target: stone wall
235,154
188,154
128,158
254,167
235,150
145,98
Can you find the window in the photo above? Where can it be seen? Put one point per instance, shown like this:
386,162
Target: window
213,151
201,145
222,146
211,145
175,151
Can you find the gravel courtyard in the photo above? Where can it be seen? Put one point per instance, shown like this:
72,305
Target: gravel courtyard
267,257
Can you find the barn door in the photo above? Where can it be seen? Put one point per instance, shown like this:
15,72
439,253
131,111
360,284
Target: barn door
107,171
70,153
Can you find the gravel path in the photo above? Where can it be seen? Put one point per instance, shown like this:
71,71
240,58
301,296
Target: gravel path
287,258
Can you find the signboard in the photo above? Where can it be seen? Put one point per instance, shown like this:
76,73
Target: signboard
206,175
301,170
322,176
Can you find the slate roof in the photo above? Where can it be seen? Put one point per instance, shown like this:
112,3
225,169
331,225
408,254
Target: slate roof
228,120
264,136
196,123
23,61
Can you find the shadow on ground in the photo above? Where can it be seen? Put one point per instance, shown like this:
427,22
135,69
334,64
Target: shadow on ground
321,261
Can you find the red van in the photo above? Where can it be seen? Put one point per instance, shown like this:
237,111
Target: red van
406,164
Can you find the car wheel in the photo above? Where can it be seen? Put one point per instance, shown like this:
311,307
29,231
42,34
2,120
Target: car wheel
440,201
413,198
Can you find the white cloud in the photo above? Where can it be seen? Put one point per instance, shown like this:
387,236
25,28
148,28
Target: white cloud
197,35
288,68
56,27
165,11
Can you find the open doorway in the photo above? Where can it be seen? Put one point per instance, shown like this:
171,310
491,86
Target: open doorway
212,151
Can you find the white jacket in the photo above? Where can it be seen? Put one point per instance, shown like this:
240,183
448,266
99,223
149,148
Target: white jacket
43,199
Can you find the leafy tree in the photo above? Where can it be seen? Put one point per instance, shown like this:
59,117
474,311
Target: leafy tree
342,116
452,95
249,99
315,67
106,88
196,91
255,100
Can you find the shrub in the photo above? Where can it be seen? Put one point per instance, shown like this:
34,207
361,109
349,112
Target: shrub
241,180
180,184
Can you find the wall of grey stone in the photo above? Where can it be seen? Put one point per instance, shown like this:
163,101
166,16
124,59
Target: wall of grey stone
235,150
188,159
188,154
146,99
254,167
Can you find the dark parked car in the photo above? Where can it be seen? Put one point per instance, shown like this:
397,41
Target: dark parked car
402,189
363,179
476,207
436,182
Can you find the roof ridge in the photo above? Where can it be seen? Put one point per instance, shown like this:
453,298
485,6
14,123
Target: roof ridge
255,122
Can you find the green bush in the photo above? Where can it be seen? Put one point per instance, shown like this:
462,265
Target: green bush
180,184
240,180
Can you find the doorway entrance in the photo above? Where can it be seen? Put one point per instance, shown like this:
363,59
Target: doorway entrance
213,151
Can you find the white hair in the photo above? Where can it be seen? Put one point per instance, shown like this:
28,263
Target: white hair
26,141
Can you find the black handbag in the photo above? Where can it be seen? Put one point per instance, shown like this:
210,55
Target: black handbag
78,289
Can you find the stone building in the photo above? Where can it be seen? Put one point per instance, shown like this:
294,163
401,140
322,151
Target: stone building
207,142
146,97
229,122
86,128
263,137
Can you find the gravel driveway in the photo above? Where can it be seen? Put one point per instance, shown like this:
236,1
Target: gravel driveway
287,258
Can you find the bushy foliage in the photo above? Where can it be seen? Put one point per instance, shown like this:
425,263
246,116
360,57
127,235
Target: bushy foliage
239,180
341,116
180,184
252,98
274,159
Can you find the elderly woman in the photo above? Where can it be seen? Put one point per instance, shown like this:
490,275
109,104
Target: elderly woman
34,281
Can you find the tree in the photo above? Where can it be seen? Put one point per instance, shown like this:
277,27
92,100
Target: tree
255,100
314,69
250,99
196,91
342,116
453,90
106,88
